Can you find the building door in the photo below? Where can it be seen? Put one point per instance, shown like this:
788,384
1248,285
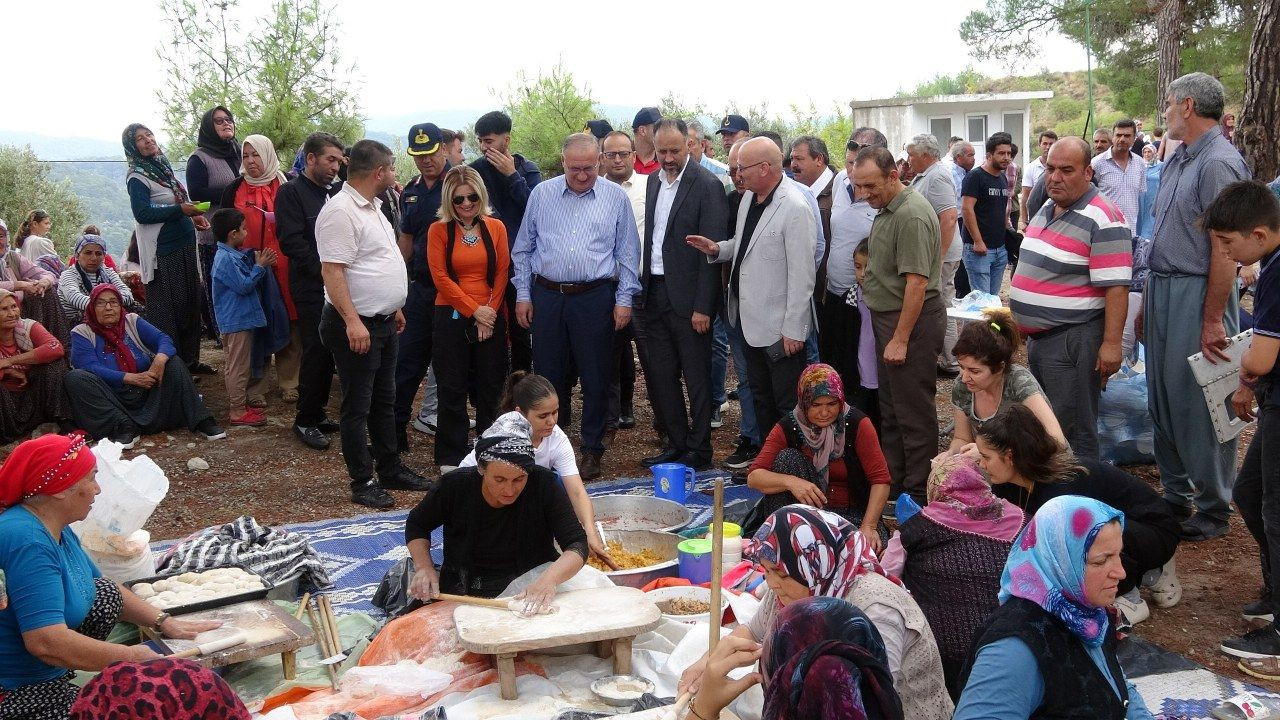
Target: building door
1014,125
977,128
940,128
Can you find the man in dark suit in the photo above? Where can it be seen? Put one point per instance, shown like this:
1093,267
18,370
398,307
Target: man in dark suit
811,166
680,292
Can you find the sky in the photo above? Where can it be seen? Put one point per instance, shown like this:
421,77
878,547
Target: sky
93,69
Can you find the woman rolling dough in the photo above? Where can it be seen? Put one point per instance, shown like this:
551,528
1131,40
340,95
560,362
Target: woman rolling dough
501,519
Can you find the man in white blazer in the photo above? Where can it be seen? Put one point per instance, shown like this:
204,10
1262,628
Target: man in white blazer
771,278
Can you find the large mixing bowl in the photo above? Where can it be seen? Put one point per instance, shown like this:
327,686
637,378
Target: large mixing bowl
639,512
661,543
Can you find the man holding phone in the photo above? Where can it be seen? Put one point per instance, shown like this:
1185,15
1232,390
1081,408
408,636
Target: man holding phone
771,256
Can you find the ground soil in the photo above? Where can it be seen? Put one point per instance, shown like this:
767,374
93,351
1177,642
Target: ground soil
267,473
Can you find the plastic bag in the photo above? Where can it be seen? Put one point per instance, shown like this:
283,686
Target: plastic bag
131,490
1126,435
123,559
399,679
978,300
392,595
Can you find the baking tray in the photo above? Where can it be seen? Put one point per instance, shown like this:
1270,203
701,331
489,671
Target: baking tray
258,594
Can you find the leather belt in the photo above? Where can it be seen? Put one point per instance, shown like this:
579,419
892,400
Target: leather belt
575,288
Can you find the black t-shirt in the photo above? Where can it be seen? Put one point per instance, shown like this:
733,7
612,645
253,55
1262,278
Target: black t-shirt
754,211
991,208
1103,482
1266,312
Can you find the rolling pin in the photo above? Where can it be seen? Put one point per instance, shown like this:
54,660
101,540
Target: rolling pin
482,602
212,646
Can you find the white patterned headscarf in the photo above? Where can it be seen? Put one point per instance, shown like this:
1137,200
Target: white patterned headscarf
508,440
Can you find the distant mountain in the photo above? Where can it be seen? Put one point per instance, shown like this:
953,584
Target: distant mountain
48,147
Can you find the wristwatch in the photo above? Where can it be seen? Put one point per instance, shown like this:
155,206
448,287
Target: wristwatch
160,621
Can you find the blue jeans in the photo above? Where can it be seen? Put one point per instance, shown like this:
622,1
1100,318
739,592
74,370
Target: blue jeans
986,272
719,360
747,427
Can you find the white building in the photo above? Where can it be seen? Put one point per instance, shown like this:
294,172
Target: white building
972,117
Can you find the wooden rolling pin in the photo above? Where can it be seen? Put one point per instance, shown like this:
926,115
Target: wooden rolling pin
482,602
212,646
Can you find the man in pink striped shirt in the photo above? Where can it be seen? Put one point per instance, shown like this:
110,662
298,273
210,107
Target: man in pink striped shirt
1070,292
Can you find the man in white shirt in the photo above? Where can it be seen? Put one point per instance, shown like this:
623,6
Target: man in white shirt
1121,174
616,161
365,285
1033,172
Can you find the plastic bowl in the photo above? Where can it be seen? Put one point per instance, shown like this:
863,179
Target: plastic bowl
603,688
688,591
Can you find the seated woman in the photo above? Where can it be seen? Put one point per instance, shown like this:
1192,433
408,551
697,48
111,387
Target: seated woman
33,286
809,552
950,555
825,659
989,381
164,689
531,399
501,519
31,372
123,384
1028,468
825,454
60,608
1050,649
87,271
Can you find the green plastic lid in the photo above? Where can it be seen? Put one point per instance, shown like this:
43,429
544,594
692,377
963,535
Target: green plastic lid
695,546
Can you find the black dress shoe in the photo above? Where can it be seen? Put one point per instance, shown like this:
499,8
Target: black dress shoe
695,461
202,369
371,495
406,479
947,373
666,456
311,437
328,427
626,421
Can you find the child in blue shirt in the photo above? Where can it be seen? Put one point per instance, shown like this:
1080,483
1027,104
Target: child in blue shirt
1244,220
236,276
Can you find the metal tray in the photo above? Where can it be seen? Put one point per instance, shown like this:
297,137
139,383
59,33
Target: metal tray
258,594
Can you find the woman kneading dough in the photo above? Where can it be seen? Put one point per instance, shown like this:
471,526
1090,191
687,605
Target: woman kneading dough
501,519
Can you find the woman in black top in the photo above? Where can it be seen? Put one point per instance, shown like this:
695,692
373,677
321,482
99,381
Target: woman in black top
501,519
1028,467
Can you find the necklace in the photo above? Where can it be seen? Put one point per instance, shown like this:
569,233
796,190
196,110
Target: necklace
469,236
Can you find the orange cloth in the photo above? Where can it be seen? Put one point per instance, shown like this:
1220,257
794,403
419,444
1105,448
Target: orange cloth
470,263
255,201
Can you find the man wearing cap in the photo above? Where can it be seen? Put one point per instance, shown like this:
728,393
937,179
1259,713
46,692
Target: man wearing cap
509,178
577,235
646,159
732,129
599,129
418,206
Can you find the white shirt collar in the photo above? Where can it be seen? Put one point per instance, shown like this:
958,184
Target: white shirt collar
821,183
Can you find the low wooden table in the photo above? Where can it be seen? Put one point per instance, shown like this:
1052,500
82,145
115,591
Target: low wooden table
610,617
269,630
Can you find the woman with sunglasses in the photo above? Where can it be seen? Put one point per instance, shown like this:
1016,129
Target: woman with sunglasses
470,260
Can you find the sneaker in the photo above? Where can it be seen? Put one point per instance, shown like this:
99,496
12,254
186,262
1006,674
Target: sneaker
251,418
1261,643
424,427
1133,607
1167,591
717,418
742,457
1259,610
127,438
210,429
371,495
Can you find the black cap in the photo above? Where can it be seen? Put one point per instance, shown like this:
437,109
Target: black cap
424,139
647,116
599,128
733,123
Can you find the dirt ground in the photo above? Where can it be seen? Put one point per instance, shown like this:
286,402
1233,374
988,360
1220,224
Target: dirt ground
267,473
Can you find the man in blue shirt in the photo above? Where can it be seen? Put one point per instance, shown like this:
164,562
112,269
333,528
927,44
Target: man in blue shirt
577,232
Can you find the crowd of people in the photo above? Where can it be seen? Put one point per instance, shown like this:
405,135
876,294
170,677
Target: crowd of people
1016,551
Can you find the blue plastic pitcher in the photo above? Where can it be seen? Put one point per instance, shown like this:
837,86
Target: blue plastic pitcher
673,481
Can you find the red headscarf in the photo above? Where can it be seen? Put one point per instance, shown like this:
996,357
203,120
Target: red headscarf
44,466
113,336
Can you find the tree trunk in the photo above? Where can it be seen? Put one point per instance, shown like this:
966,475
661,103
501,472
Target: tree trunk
1257,131
1168,47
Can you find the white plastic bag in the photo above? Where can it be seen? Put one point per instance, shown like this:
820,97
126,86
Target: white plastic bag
131,490
405,678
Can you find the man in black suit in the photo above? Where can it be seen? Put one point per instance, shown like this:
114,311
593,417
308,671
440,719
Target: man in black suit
680,292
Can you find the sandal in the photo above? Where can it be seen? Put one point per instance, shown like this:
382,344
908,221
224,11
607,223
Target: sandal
1267,668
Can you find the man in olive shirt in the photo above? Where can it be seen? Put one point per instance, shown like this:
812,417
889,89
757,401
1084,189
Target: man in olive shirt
901,290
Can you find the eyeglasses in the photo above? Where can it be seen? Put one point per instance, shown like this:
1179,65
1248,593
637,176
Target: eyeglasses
106,303
744,168
472,198
616,155
855,146
223,121
583,170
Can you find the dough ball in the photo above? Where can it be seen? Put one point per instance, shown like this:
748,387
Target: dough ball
188,577
162,585
143,590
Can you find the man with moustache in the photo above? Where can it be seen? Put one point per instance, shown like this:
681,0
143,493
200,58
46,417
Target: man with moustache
1121,174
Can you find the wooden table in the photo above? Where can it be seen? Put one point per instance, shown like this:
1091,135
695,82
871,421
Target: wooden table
268,628
610,617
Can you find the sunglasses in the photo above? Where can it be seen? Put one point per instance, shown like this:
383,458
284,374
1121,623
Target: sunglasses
855,146
472,198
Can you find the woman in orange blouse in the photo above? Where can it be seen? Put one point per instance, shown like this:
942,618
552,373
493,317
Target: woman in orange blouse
470,260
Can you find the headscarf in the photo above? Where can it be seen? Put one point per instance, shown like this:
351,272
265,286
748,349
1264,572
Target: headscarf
155,168
209,141
827,443
960,498
825,659
815,547
46,465
113,336
86,284
1047,563
162,689
514,450
270,162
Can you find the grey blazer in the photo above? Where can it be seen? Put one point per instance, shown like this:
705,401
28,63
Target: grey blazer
777,275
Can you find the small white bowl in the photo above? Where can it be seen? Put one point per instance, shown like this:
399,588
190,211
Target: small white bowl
605,690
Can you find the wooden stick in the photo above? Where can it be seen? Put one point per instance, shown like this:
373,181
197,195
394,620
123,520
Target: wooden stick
717,563
468,600
322,638
681,702
331,622
302,606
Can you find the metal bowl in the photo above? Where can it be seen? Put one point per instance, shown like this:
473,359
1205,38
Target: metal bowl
639,512
664,544
604,692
